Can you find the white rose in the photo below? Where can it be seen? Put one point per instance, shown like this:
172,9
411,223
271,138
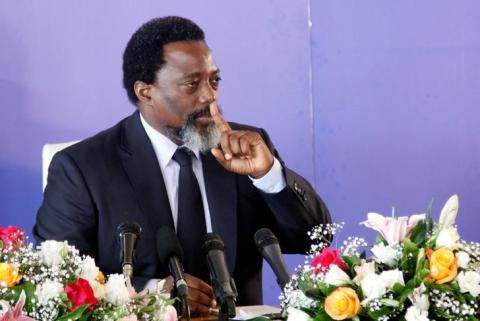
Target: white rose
462,259
116,291
448,237
469,281
48,290
390,278
297,315
336,276
98,289
51,252
415,314
88,270
385,254
373,286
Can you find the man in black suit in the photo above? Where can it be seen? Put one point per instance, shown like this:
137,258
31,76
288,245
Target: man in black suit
132,171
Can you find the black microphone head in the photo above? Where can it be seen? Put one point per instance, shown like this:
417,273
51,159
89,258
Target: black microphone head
212,241
168,244
264,237
129,227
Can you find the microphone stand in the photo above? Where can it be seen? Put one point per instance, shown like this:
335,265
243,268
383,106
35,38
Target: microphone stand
183,303
128,273
227,300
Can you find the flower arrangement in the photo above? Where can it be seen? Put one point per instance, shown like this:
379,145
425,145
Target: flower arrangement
418,271
54,282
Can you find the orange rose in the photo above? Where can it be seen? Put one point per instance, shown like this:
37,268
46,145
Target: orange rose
9,275
100,277
343,303
443,265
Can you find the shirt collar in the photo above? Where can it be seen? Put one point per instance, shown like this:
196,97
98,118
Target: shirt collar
164,148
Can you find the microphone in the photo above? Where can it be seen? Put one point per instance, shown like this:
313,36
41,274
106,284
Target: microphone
223,285
129,233
267,245
170,253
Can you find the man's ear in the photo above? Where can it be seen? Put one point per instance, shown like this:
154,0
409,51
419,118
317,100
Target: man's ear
142,90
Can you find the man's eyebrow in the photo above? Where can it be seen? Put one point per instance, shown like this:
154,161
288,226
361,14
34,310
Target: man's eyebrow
197,74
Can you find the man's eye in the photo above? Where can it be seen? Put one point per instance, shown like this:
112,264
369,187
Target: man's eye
215,82
191,84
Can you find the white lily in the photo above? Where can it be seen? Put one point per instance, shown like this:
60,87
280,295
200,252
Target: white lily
362,270
392,229
448,237
449,213
386,254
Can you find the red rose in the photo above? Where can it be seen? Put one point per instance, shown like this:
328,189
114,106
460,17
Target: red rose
80,293
326,258
11,236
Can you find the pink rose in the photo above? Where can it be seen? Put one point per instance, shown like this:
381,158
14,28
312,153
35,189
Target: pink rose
11,236
170,314
328,256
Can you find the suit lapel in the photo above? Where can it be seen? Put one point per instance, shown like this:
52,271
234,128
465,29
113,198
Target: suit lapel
222,202
142,168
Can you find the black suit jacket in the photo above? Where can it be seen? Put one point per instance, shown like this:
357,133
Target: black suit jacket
114,176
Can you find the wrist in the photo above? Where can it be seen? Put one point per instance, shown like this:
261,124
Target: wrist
260,174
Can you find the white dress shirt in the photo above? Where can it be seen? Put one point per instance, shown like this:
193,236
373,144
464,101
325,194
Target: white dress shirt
272,182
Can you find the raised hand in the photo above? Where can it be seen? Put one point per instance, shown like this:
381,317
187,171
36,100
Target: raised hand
242,152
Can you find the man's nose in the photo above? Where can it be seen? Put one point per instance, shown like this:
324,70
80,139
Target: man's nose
207,94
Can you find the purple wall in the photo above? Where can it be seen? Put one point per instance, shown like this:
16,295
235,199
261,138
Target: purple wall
375,103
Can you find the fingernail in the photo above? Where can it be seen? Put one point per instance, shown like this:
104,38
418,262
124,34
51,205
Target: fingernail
213,304
228,156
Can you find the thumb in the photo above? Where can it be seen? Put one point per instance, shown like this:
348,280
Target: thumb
218,154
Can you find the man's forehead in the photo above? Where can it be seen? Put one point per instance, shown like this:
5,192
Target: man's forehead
189,57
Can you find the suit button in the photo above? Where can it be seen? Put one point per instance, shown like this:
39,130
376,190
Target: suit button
296,187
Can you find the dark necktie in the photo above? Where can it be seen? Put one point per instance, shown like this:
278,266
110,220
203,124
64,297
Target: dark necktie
191,226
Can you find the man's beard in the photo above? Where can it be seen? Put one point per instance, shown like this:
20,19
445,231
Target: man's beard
194,138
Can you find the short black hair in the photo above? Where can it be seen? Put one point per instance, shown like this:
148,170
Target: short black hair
143,56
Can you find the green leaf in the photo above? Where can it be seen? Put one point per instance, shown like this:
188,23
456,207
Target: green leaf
321,315
423,273
351,263
1,245
380,312
390,303
75,314
15,292
418,234
398,288
325,288
429,220
259,319
379,239
409,258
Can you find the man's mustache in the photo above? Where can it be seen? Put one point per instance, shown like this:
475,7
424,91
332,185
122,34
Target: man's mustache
200,113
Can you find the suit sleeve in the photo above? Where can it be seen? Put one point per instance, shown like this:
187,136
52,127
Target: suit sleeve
296,209
68,211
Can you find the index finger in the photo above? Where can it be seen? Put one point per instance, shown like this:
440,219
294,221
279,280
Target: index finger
218,119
